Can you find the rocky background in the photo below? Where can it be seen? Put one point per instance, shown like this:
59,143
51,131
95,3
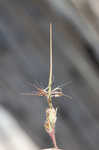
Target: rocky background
24,58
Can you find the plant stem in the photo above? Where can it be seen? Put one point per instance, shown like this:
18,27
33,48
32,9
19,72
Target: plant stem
51,116
50,73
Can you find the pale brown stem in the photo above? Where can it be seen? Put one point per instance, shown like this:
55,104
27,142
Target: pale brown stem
50,73
52,135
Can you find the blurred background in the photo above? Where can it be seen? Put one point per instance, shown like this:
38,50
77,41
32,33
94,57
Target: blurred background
24,58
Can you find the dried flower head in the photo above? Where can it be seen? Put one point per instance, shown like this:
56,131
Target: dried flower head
55,92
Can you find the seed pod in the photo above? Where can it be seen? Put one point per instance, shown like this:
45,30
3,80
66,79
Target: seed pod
50,119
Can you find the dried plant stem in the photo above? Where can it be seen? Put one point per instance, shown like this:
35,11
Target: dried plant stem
50,73
51,113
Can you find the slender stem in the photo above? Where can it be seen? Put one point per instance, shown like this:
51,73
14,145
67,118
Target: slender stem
52,134
50,73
